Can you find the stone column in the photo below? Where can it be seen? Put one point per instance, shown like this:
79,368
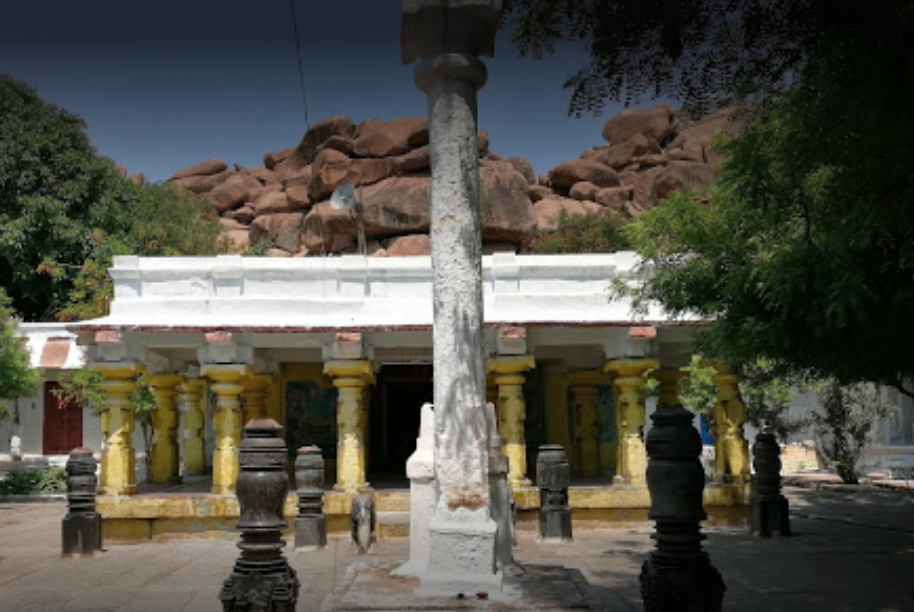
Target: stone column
632,461
731,449
255,393
194,396
583,387
350,377
447,36
226,423
165,462
668,389
119,458
512,412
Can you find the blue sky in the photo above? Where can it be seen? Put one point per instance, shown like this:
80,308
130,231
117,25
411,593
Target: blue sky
163,85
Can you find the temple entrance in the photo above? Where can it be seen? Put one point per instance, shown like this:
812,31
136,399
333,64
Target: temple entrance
399,394
63,422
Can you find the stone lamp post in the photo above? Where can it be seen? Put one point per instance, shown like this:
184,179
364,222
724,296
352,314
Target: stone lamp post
448,36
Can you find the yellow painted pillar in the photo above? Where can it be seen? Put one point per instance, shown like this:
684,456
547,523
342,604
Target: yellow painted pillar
631,464
118,470
583,387
193,392
668,389
731,449
512,411
165,462
255,394
350,377
226,423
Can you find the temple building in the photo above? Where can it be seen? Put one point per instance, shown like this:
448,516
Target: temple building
339,351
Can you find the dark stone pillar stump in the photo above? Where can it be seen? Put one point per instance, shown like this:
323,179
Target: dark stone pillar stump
82,526
678,575
310,524
261,580
553,476
769,509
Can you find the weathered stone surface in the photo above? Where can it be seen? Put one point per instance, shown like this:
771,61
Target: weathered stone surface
244,215
327,230
375,138
204,183
320,132
649,161
271,159
654,123
657,183
298,196
524,167
574,171
482,142
212,166
405,246
263,175
417,159
292,165
506,211
273,202
397,205
584,191
274,252
301,178
233,192
339,143
236,233
699,136
138,178
620,155
614,197
331,168
547,212
283,229
539,192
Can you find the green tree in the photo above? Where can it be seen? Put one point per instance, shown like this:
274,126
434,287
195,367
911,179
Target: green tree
698,391
17,377
601,233
768,398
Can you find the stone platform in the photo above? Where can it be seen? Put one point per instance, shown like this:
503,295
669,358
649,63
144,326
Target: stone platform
368,586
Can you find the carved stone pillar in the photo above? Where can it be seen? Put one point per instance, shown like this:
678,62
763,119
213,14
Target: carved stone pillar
226,423
583,387
165,461
118,458
731,449
512,412
632,461
255,394
82,526
350,377
193,392
668,390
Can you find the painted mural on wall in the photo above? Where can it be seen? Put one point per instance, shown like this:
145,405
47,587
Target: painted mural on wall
606,414
311,417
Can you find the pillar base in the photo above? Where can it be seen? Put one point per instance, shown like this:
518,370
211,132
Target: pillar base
695,586
461,554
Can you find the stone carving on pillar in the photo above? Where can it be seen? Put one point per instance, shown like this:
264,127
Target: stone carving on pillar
553,477
226,423
261,580
351,377
310,524
731,449
769,510
632,461
255,394
501,499
512,412
193,395
82,526
678,575
118,458
165,465
668,389
420,469
583,387
448,36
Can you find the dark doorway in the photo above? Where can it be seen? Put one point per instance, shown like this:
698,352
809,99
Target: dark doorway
63,423
399,395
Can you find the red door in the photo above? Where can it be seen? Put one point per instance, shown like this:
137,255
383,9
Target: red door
63,423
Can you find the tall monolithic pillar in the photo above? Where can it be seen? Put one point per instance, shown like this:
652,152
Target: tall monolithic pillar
193,396
118,469
631,465
448,36
255,396
731,449
509,379
165,459
350,377
583,387
226,423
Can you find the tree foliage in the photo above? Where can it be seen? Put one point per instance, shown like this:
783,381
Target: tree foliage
65,210
601,233
17,377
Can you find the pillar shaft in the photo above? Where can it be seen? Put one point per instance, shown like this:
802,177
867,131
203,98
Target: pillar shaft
351,379
731,449
512,412
193,395
583,386
119,458
226,423
255,394
631,464
165,459
668,389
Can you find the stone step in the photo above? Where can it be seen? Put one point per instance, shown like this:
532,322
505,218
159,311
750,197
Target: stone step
391,500
392,524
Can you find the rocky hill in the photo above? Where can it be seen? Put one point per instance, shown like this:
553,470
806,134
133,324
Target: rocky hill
650,152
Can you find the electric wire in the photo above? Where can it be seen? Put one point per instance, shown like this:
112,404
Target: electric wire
301,70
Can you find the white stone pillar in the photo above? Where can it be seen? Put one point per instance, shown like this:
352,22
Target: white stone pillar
420,469
448,35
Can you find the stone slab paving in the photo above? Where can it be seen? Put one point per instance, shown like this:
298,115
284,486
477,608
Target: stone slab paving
853,552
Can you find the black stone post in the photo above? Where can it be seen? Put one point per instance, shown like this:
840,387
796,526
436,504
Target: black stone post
678,576
82,526
553,476
261,580
310,524
769,509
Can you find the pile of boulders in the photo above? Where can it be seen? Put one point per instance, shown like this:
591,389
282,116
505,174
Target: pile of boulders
285,205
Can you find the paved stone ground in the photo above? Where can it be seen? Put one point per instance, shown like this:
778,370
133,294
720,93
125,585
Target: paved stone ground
853,551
